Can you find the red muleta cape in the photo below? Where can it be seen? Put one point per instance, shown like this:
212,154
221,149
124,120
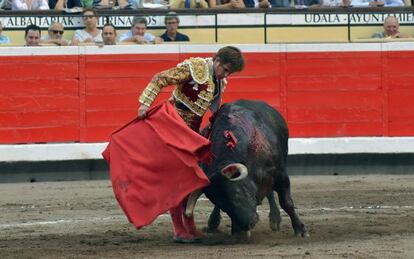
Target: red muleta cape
154,164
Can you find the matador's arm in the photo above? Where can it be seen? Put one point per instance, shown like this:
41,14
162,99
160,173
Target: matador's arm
172,76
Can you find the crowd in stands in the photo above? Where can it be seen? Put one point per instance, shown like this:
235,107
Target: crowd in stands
108,35
180,4
138,34
91,34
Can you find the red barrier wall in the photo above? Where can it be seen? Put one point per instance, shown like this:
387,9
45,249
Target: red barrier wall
60,98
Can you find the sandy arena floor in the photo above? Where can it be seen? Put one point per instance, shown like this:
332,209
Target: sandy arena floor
369,216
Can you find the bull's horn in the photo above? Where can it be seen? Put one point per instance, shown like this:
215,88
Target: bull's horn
235,172
191,202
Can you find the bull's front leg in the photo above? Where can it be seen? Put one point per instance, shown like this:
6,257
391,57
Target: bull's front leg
274,214
285,199
214,220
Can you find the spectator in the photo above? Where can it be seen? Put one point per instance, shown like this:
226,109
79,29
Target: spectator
30,5
307,3
55,35
375,3
181,4
3,38
91,33
391,29
227,4
109,34
110,4
136,4
171,23
138,33
257,3
336,3
5,4
155,4
280,3
32,35
62,4
87,3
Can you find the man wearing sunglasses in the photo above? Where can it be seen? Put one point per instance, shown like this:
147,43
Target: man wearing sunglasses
55,35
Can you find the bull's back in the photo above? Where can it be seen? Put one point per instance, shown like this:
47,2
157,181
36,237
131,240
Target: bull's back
264,114
268,119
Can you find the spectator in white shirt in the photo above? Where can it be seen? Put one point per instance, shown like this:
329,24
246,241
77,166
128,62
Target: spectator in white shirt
30,5
91,33
138,33
374,3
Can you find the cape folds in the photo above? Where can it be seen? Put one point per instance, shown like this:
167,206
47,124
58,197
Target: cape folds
154,164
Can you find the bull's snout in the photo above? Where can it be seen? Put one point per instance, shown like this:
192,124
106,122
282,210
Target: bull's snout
235,172
254,221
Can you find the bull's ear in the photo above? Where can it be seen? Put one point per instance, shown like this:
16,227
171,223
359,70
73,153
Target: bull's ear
235,172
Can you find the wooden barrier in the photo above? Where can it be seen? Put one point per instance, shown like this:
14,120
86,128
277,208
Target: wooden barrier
81,94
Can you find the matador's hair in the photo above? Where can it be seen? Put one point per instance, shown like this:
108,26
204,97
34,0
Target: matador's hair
233,56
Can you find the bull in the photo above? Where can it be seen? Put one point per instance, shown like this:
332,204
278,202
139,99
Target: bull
250,147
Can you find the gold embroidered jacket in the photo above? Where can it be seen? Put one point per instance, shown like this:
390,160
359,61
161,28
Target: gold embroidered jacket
193,79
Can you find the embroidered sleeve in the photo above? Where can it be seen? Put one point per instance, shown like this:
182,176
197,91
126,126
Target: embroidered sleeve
173,76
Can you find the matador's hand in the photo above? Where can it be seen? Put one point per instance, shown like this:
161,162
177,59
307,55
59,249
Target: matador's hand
142,111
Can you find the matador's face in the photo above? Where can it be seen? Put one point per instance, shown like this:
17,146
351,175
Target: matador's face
221,70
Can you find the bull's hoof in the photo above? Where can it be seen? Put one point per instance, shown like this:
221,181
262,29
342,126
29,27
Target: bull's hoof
242,237
210,230
303,234
274,226
274,216
301,231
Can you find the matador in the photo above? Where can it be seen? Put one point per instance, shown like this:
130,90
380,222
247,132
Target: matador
199,84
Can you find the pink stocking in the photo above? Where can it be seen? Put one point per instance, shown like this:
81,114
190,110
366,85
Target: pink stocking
177,220
189,223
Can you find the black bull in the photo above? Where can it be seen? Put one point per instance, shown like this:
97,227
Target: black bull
254,135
